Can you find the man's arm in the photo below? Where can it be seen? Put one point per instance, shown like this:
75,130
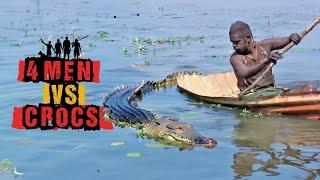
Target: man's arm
278,43
242,70
43,42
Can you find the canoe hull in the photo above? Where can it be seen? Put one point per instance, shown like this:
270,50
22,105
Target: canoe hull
303,99
306,106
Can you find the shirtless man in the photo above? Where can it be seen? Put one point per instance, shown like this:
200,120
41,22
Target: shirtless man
251,58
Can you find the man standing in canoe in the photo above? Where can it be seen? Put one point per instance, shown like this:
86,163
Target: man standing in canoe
251,58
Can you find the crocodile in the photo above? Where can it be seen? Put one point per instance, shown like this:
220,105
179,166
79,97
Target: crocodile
122,109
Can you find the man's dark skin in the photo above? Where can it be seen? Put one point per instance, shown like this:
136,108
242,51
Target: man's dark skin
247,50
66,48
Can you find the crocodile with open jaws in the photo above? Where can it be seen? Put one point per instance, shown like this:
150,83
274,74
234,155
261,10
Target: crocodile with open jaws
121,108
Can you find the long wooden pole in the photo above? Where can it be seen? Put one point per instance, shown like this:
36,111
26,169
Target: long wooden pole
281,51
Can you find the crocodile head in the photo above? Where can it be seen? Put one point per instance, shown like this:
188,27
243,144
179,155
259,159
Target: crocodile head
170,131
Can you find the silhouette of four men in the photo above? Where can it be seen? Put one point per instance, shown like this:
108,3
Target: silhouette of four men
66,47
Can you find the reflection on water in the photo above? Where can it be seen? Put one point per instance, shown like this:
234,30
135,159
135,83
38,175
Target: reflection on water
247,163
262,132
270,142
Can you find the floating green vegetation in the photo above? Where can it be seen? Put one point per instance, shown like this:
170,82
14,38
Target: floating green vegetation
157,145
75,32
125,51
6,165
247,113
168,40
142,45
124,124
134,155
103,34
119,143
91,45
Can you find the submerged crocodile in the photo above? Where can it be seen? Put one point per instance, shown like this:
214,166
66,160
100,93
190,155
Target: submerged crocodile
121,108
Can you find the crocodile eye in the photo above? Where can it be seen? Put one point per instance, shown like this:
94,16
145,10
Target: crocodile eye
158,123
180,128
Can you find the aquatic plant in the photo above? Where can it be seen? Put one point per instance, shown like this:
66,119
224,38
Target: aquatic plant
6,165
143,44
102,34
119,143
134,155
247,113
169,40
125,51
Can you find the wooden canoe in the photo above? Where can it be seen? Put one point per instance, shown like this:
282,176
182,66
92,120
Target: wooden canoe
297,98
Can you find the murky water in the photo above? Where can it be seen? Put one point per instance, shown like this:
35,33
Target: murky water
138,40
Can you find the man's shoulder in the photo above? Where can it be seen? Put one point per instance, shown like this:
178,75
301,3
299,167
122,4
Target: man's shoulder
235,57
264,44
261,43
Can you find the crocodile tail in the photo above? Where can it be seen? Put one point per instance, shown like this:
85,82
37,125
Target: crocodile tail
117,89
122,101
143,88
122,106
